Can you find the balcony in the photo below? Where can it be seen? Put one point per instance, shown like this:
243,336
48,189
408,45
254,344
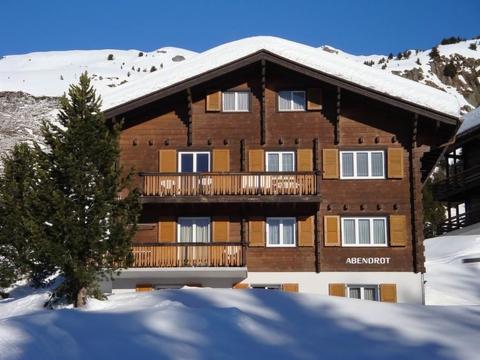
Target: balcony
459,221
230,187
452,188
177,255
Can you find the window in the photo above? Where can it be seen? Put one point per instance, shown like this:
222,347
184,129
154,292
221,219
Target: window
193,229
194,162
278,161
280,232
291,100
266,286
364,231
236,101
364,292
362,165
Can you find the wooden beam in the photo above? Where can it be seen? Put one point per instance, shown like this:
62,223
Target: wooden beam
415,197
242,155
262,104
190,115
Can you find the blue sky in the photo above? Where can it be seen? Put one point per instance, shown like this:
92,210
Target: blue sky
359,27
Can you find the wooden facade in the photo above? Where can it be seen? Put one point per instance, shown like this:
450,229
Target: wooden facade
238,194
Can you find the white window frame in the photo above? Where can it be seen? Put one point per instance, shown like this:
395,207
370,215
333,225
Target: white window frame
357,238
180,153
281,244
194,225
355,176
236,100
291,100
280,162
362,291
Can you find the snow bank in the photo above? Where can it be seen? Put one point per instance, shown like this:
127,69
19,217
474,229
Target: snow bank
239,324
470,121
329,63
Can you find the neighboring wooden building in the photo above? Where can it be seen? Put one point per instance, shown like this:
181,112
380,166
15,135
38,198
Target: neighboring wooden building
262,165
461,188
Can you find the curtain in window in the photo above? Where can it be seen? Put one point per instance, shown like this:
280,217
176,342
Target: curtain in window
362,164
186,230
273,232
284,99
298,100
229,101
273,162
287,162
370,294
347,164
202,227
288,232
354,293
364,231
377,164
379,231
242,101
349,231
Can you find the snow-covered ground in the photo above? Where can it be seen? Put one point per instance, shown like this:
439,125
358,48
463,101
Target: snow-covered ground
236,324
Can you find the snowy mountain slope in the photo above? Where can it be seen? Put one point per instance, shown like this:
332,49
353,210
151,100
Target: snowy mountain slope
417,65
236,324
50,73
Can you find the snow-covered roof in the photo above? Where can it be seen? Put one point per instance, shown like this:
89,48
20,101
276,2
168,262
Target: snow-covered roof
314,58
470,121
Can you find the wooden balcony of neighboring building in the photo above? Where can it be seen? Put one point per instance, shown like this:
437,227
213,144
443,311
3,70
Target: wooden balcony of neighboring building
176,255
457,184
459,221
230,187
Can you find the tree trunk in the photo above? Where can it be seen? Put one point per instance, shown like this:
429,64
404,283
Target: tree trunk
81,299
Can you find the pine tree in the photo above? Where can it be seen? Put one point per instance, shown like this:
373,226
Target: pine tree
434,54
450,70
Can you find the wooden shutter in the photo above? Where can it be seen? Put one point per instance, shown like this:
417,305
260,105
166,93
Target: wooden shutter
214,101
241,286
256,160
220,230
395,163
256,232
304,160
167,230
143,287
167,160
388,293
330,164
306,227
398,230
291,287
221,160
314,99
336,290
331,224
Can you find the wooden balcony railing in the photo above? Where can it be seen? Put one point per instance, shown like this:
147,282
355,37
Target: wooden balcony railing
457,183
459,221
225,184
188,255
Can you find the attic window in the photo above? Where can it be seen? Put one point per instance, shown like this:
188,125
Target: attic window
291,100
235,101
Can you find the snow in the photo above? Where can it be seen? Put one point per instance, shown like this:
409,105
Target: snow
41,73
470,121
308,56
449,281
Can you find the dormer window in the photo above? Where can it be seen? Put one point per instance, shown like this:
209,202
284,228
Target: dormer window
291,100
235,101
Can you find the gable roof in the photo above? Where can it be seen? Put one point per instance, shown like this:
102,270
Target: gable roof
375,82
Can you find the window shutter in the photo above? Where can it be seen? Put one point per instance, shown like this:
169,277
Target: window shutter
143,287
314,99
332,230
167,160
388,293
241,286
214,101
221,160
304,160
256,232
330,164
306,229
336,290
292,287
167,230
398,230
220,229
256,160
395,163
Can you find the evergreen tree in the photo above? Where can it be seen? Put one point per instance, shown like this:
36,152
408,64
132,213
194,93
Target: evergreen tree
450,70
434,54
433,211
